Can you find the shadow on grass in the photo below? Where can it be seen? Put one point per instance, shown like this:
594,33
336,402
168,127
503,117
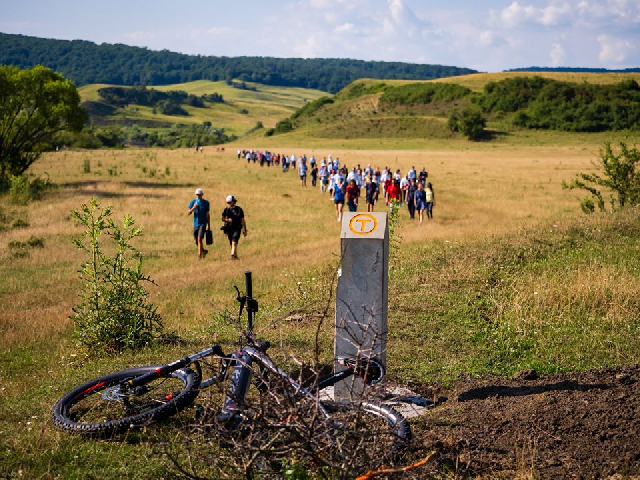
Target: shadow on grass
483,393
92,188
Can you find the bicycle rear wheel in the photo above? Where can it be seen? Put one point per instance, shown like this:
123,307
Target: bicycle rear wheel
102,407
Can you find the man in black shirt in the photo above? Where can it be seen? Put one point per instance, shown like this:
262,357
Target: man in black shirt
371,193
234,224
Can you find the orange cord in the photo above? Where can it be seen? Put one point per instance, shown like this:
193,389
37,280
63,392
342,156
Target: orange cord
384,471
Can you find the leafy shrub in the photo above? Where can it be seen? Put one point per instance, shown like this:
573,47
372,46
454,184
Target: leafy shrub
23,189
620,176
19,223
21,249
549,104
114,314
422,93
469,122
283,126
312,107
360,89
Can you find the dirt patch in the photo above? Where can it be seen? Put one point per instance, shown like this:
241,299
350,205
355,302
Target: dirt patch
575,425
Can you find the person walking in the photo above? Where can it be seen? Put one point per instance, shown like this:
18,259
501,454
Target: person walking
410,198
302,171
234,224
314,174
420,201
201,220
353,193
324,177
431,200
338,199
371,192
394,196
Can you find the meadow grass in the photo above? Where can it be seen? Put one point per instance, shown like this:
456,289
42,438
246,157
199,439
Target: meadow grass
477,81
508,275
240,112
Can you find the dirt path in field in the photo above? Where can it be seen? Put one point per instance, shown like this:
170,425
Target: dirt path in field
575,425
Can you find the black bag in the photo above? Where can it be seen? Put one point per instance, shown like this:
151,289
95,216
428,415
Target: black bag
227,227
208,235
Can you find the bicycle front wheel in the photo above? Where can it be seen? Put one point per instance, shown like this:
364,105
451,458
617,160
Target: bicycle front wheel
103,407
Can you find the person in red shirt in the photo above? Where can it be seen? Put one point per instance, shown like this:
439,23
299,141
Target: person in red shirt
353,193
394,196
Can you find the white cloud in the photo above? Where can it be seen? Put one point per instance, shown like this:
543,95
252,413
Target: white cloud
558,55
517,15
614,51
345,28
555,15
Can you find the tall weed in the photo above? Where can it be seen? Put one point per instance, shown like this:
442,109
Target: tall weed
114,314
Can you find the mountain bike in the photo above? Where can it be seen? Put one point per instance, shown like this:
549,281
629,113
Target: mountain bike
137,397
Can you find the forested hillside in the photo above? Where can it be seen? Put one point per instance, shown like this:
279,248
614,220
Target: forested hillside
377,109
86,62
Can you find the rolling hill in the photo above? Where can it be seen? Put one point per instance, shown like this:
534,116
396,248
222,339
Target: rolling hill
241,111
565,101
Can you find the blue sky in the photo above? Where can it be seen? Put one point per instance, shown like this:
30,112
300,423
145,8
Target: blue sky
486,35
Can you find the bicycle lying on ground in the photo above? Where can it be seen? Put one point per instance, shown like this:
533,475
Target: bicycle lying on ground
137,397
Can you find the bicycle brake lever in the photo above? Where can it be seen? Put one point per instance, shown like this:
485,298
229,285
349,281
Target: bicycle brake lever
242,299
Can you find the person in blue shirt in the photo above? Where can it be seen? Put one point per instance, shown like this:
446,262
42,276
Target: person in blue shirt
338,199
201,220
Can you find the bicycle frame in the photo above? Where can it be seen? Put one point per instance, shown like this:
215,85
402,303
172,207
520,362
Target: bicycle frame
240,364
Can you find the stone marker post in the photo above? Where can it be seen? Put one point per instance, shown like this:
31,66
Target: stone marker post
361,295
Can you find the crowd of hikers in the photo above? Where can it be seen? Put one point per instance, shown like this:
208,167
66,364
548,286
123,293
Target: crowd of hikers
351,186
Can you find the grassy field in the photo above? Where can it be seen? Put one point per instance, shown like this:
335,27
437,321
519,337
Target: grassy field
508,275
240,112
477,81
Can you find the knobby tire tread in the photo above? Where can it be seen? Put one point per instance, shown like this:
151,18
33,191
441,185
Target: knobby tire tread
183,399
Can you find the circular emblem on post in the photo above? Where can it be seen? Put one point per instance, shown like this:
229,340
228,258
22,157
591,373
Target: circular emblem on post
363,224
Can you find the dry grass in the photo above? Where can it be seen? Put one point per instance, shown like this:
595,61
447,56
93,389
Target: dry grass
477,81
480,191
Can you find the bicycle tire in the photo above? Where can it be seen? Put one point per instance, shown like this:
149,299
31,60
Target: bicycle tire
85,409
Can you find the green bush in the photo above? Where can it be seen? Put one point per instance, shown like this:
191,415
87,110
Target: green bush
312,107
21,249
620,176
23,189
283,126
114,314
550,104
469,122
423,93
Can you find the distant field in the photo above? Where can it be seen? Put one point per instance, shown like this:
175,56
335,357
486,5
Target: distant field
242,109
477,81
481,190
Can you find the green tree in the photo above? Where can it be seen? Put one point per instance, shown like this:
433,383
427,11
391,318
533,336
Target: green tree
620,175
34,105
469,122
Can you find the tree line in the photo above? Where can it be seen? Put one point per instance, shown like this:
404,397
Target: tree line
85,62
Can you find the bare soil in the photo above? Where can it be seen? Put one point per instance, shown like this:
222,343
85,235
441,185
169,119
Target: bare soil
574,425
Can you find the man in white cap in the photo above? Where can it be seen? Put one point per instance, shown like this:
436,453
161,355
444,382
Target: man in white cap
201,220
234,224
